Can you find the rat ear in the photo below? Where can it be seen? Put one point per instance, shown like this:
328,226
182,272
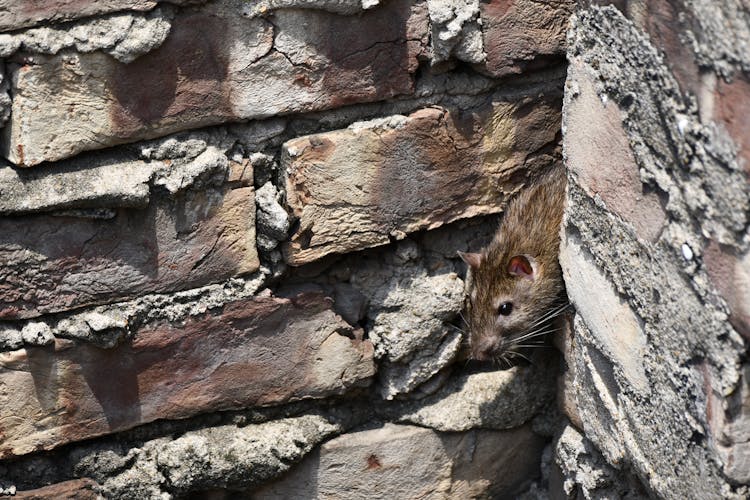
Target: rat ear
472,259
522,266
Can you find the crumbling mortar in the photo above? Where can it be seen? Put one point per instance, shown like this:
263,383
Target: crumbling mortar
624,278
688,141
128,316
107,457
36,40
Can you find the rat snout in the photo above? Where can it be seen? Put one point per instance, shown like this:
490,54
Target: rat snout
485,348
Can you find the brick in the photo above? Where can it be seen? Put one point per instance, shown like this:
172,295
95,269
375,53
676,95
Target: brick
95,182
522,34
732,109
258,351
50,264
15,14
729,271
359,187
668,24
594,139
215,66
406,462
616,329
75,489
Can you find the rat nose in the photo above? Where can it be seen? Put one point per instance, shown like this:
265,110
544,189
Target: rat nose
484,349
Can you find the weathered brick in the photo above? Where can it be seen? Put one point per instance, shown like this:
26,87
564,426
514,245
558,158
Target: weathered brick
522,34
258,351
215,66
668,24
595,140
50,263
406,462
729,271
16,14
732,109
359,187
98,182
75,489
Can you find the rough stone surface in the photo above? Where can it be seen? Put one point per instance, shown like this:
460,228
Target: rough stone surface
199,238
521,34
271,220
653,357
125,36
381,179
408,308
76,489
704,45
16,14
216,457
487,400
585,473
226,358
398,461
214,66
455,30
94,182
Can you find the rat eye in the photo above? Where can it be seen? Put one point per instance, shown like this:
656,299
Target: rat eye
505,308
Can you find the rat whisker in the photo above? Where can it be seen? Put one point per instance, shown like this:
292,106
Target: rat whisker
456,328
536,333
552,313
460,314
524,335
516,353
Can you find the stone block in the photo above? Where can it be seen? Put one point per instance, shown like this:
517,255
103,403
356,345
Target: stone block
729,271
93,182
594,141
15,14
375,181
731,104
214,66
50,263
523,34
75,489
257,351
499,400
406,462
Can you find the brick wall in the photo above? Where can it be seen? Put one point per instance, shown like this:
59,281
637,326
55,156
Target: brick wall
654,251
228,236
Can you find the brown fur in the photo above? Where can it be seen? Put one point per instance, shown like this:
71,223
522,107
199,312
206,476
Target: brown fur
529,228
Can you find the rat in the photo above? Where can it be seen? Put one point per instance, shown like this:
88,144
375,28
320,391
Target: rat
516,288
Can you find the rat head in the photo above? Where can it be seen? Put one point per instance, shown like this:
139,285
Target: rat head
507,299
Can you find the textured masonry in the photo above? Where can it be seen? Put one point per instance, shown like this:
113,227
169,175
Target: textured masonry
228,236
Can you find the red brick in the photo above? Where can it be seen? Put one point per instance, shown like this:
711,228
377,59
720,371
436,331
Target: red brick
522,34
358,187
215,66
75,489
251,352
50,264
